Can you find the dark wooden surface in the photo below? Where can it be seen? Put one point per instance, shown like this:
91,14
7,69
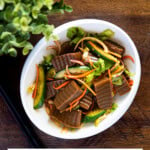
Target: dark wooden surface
133,129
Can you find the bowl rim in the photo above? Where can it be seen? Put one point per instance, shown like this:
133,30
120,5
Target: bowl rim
81,21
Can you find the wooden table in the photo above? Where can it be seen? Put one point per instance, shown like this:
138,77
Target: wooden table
133,129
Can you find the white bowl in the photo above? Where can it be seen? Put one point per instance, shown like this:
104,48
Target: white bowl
40,118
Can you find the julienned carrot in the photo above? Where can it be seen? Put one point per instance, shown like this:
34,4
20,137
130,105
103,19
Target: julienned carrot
130,82
80,75
119,69
129,57
115,54
72,106
87,86
49,79
81,49
77,99
36,83
116,65
109,74
60,86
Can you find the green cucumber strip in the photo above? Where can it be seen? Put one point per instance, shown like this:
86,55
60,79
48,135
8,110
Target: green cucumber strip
79,69
92,117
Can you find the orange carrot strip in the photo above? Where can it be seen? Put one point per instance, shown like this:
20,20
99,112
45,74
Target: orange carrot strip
81,49
109,73
130,82
36,83
115,54
81,96
72,106
129,57
80,75
60,86
83,84
116,64
118,70
87,86
50,79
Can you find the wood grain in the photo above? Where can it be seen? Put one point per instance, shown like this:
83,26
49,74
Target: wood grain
133,129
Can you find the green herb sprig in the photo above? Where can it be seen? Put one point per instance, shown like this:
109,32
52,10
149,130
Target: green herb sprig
21,18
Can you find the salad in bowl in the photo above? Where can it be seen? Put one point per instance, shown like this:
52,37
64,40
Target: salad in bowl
83,80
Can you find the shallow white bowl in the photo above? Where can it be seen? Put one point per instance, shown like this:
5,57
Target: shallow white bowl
40,118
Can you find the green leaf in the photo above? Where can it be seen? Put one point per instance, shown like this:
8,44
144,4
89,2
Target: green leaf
75,32
7,36
5,48
114,107
8,13
108,64
47,63
42,19
117,80
35,12
27,48
12,52
39,3
37,29
2,4
99,66
106,34
128,73
1,28
75,40
22,36
89,78
60,7
68,8
48,3
24,23
9,1
47,31
11,28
